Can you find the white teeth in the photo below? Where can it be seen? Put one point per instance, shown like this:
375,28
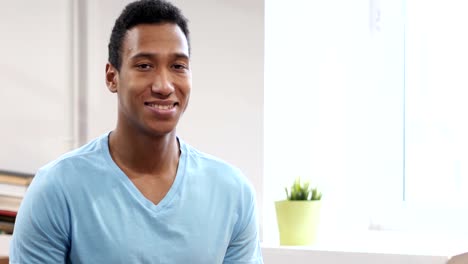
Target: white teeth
162,107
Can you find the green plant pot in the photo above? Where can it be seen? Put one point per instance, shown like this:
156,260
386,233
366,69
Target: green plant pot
298,221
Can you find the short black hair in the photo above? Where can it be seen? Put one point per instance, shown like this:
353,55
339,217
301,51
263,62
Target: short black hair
143,12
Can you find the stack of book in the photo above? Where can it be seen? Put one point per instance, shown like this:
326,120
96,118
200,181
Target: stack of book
13,186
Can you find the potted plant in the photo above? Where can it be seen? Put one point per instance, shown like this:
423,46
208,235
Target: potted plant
298,215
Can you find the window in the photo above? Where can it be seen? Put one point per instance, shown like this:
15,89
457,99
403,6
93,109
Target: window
436,127
374,117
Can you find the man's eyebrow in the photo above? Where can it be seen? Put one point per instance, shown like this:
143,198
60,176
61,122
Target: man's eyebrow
181,56
149,55
143,55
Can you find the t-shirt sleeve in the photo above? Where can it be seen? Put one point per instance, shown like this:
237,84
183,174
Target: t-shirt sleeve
41,233
244,247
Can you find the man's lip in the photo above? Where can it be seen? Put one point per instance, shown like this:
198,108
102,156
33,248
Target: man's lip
162,109
161,103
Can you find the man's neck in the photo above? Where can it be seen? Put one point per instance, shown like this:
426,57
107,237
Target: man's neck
138,153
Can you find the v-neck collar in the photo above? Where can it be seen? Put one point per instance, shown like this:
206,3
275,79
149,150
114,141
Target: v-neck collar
133,190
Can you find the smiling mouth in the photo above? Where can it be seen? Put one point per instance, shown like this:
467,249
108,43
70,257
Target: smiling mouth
161,107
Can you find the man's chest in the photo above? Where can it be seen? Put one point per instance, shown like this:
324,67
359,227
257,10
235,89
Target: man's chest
119,234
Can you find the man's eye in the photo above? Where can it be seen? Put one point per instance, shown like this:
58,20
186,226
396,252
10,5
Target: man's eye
180,66
144,66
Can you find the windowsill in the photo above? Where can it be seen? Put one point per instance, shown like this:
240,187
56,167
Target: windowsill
371,247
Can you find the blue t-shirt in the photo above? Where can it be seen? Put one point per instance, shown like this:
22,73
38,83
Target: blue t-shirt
82,208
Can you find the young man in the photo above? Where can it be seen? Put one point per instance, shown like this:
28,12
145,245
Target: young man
140,194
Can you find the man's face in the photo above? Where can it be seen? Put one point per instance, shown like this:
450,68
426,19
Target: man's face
154,81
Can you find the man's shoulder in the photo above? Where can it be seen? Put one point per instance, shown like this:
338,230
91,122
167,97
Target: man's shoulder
215,169
209,161
75,159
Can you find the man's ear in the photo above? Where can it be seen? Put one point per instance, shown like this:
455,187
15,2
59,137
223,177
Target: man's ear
111,77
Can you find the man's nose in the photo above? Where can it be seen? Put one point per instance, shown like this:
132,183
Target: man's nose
162,83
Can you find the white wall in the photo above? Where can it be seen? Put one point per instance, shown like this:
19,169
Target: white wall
34,83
